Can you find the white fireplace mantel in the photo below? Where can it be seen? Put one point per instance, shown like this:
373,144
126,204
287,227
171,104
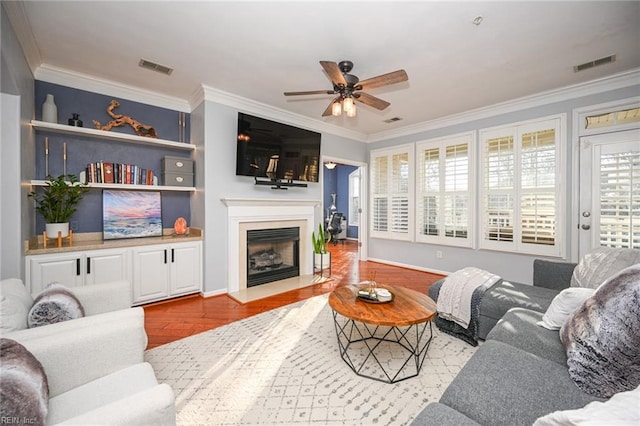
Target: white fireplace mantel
255,210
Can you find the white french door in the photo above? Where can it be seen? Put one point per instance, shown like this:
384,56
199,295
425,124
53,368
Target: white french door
609,191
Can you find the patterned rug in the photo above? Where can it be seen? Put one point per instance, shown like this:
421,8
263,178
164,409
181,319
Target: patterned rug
283,367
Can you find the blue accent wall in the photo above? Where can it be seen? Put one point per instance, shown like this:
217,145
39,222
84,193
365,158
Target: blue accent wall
81,151
336,181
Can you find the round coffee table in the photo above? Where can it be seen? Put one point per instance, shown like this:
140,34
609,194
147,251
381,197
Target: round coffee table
383,341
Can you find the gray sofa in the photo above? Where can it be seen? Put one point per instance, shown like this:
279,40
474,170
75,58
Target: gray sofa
549,278
519,373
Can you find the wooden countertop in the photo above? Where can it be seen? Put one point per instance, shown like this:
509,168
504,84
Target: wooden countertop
94,241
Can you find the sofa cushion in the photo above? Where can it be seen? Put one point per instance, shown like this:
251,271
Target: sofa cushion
503,385
24,393
55,304
602,337
100,392
600,264
518,328
506,295
622,408
441,415
563,305
15,302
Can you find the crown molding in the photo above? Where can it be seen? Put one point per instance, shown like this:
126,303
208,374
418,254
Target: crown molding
247,105
22,28
64,77
605,84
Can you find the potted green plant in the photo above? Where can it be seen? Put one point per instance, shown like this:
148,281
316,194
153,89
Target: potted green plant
321,257
58,201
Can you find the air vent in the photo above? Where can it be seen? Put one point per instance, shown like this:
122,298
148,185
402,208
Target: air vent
392,120
155,67
591,64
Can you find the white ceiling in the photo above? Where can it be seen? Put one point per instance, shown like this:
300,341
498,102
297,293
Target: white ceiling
258,50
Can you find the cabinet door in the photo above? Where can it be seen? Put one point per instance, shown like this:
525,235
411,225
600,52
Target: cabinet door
186,274
67,269
150,273
107,265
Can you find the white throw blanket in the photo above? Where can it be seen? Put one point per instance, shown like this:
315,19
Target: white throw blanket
454,300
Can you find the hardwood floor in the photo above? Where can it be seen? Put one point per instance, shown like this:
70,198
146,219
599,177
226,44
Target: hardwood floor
178,318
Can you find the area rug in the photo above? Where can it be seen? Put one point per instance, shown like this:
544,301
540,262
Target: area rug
283,367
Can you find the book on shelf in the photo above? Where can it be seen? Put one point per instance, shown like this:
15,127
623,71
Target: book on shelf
118,173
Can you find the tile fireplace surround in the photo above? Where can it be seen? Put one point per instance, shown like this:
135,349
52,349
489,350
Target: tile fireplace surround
258,213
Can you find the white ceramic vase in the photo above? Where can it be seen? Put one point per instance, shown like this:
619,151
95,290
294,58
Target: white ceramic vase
53,228
49,110
322,261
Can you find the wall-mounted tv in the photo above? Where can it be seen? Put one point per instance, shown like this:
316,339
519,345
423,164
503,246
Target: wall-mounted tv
131,214
276,151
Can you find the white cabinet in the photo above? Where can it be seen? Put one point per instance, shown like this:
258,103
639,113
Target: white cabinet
77,268
166,270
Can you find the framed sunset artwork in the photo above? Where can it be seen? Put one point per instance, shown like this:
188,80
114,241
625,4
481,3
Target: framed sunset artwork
131,214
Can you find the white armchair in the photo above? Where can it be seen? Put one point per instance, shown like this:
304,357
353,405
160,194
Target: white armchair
95,365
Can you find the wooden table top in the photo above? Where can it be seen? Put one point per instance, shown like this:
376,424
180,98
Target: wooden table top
407,308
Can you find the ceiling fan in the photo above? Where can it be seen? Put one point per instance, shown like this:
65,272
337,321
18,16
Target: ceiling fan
348,87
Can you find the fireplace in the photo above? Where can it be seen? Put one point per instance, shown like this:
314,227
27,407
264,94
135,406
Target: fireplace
272,255
244,214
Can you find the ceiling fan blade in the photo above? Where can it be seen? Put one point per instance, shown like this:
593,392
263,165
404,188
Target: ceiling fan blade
310,92
384,79
334,72
327,112
367,99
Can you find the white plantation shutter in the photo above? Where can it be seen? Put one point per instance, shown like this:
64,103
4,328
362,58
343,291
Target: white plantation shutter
444,192
391,193
619,195
521,187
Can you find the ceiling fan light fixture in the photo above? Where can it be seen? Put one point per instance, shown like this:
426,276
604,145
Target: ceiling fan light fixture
351,112
348,105
336,109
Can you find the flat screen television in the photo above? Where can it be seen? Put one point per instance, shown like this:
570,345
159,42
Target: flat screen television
276,151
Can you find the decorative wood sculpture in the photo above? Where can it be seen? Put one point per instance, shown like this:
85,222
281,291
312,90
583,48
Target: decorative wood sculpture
121,120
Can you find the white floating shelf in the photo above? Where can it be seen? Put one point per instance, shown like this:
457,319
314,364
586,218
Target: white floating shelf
127,187
102,134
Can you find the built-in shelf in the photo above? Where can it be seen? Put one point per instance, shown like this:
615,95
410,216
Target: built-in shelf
102,134
127,187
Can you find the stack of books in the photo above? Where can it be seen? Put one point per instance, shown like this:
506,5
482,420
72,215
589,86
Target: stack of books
106,172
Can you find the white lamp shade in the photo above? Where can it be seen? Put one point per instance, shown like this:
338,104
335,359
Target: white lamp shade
336,109
348,105
351,112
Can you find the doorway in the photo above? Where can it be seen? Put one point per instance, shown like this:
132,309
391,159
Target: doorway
344,191
609,200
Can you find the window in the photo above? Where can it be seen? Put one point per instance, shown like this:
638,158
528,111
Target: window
392,193
444,194
354,198
520,187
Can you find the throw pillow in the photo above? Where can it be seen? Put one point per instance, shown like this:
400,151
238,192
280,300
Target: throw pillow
55,304
15,302
621,409
24,393
603,262
563,305
602,337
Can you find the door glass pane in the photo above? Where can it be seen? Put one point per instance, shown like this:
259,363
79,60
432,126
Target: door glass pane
620,199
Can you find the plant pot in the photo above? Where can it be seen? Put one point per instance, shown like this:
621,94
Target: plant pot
53,228
321,261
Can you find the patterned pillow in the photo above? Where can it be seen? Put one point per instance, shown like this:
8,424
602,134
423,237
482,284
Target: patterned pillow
600,264
24,393
602,337
55,304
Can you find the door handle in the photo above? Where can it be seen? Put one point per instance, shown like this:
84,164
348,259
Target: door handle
165,255
173,255
88,265
586,227
78,266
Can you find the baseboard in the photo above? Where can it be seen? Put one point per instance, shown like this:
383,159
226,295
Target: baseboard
214,293
407,266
